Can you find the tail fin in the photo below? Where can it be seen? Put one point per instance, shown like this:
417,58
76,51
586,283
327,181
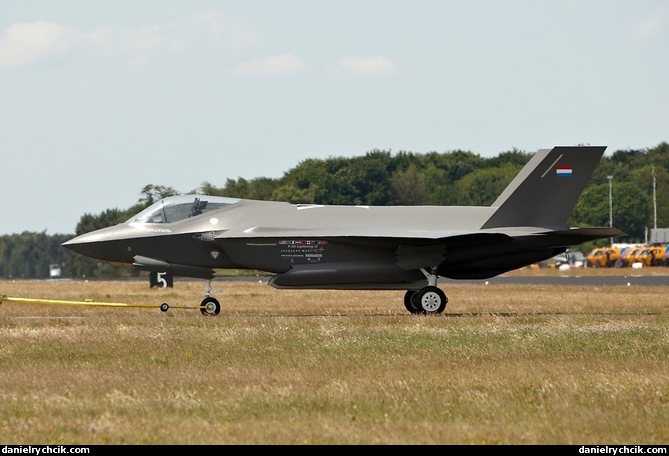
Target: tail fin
546,190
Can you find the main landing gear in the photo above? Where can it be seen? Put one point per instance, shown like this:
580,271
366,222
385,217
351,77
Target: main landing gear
429,300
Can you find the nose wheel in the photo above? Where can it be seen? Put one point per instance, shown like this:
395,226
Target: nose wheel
210,307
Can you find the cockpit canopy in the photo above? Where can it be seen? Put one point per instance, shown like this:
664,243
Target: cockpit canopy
175,208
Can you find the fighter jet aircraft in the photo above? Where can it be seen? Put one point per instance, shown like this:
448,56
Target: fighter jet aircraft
360,247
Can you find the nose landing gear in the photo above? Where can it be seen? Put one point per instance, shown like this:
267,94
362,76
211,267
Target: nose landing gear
209,306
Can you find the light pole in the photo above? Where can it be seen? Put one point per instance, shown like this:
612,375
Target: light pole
610,178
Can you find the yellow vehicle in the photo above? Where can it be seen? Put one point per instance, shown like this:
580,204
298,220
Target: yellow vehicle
614,255
652,256
603,257
596,258
664,260
630,256
647,255
644,257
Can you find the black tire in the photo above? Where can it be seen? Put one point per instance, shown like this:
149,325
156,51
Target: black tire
164,307
210,307
408,301
430,300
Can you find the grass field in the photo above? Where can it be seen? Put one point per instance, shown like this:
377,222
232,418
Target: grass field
504,364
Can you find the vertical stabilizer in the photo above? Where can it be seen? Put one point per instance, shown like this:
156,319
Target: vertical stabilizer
546,190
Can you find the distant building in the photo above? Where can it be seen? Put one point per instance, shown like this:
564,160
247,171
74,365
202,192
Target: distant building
659,236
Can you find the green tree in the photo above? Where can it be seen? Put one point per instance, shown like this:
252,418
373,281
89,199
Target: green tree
292,194
362,180
262,188
306,183
109,217
483,186
659,156
456,164
658,160
443,192
630,159
152,193
22,259
207,188
409,187
654,180
514,157
631,209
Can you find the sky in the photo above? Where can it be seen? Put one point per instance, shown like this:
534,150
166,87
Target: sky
100,99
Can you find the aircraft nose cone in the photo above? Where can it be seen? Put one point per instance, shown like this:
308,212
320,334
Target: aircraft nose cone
102,244
85,244
76,244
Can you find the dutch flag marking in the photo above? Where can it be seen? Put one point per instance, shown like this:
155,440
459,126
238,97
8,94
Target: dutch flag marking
563,171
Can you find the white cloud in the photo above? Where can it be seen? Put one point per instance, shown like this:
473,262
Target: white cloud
147,39
281,65
139,41
103,39
649,27
221,26
371,65
25,43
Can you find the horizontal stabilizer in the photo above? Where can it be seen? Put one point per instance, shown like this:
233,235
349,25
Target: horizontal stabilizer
581,235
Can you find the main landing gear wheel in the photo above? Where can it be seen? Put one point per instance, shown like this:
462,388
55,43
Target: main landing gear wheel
409,303
428,300
210,307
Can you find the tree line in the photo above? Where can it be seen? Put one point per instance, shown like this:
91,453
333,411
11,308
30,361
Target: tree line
638,182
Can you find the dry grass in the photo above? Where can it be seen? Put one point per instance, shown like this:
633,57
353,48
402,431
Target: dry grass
505,364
